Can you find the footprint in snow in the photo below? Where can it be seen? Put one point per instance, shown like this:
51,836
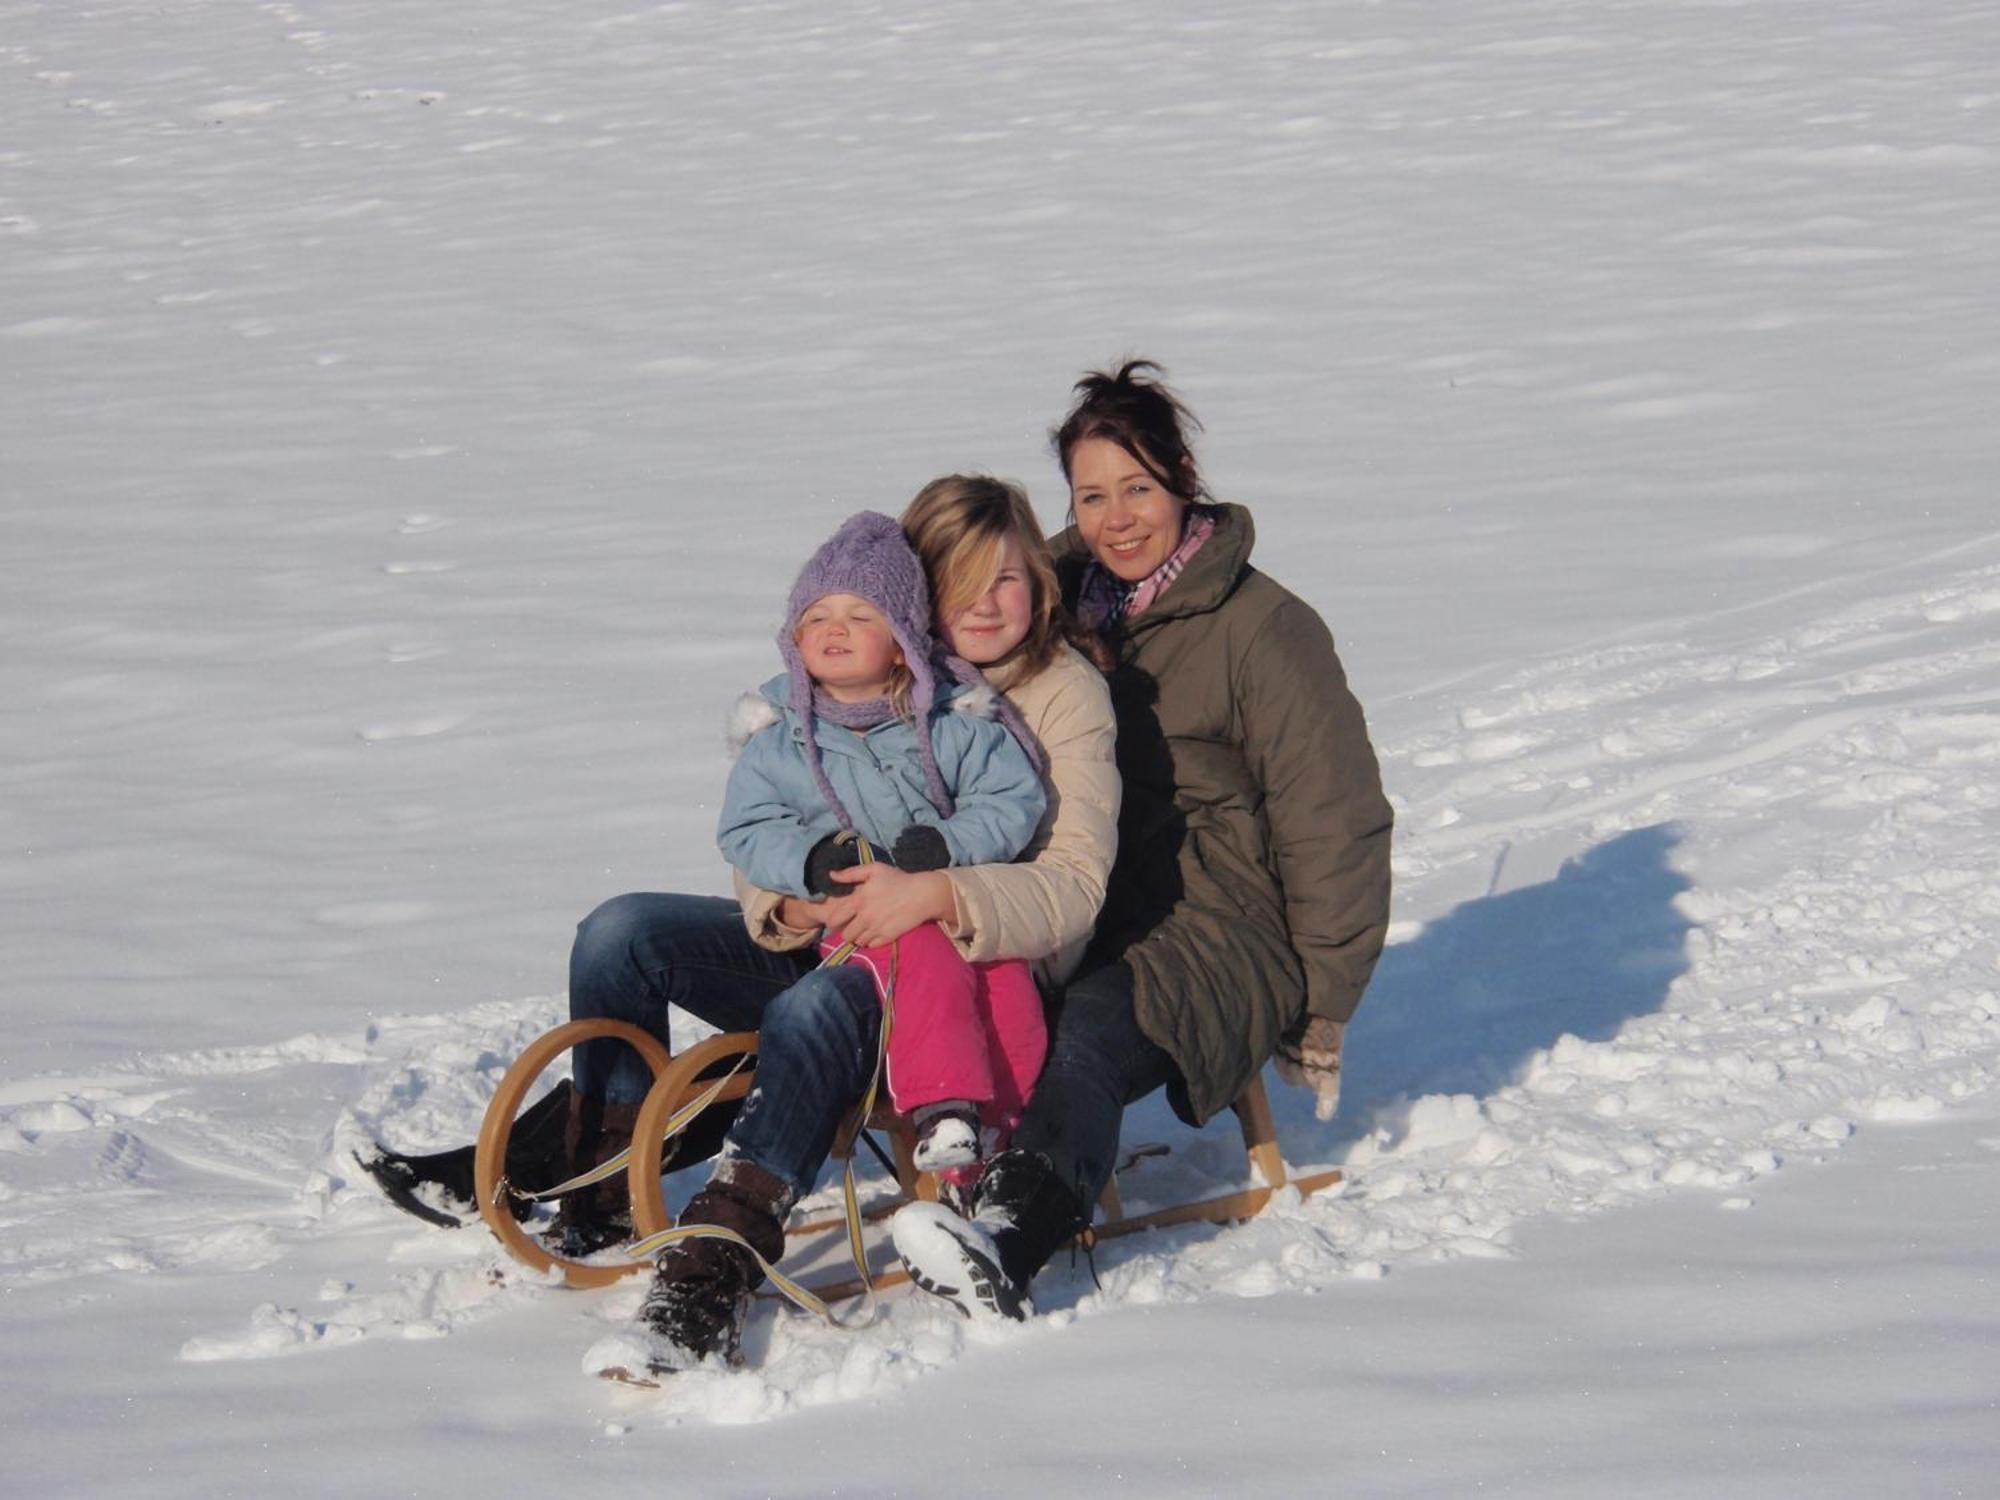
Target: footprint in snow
123,1158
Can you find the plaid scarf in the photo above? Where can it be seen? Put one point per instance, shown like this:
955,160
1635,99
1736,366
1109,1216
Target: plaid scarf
1105,599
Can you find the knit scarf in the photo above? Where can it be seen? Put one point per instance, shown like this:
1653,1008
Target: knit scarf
1105,599
856,716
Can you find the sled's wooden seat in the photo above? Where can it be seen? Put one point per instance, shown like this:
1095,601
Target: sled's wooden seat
679,1085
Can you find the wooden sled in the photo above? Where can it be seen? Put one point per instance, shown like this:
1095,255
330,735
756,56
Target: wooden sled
678,1082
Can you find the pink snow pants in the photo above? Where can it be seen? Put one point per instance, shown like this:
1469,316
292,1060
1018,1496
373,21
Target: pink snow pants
962,1030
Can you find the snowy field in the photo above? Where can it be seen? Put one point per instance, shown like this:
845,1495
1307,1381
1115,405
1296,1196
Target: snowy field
413,415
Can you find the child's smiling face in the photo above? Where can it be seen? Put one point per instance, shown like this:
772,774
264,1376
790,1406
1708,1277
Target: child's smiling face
998,620
847,647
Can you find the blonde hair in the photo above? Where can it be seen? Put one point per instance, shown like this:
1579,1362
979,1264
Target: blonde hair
902,682
958,524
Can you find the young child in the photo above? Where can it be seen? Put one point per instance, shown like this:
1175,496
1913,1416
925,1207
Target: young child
857,738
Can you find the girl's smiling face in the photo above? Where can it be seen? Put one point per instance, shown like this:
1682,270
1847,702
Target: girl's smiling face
848,648
997,621
1129,521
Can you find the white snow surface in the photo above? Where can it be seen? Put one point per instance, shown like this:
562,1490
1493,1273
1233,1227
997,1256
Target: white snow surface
414,415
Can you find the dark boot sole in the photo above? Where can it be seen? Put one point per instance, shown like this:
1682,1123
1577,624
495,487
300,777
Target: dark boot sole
398,1185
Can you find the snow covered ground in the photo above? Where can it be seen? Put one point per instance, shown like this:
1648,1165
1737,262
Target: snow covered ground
414,414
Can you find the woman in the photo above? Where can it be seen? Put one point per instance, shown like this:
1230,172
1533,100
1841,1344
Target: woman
1250,897
750,964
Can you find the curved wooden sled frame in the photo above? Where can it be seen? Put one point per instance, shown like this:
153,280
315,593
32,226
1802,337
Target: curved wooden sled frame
677,1082
671,1090
489,1161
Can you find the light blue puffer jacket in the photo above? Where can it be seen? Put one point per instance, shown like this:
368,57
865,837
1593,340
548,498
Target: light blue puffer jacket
773,811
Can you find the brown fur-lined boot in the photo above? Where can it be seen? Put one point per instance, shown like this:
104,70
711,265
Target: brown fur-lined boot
700,1296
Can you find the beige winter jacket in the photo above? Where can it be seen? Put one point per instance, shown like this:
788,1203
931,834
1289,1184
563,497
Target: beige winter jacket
1044,906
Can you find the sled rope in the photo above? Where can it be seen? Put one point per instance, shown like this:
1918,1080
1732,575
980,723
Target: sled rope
793,1291
643,1250
652,1244
611,1166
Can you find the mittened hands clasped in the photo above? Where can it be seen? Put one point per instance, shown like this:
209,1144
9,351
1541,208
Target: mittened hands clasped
920,847
831,853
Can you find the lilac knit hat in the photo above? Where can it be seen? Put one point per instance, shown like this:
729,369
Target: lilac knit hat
870,558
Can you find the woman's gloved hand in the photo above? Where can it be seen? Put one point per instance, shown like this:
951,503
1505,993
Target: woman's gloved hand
920,847
1309,1058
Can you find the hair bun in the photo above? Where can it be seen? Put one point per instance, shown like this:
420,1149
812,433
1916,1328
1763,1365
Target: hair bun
1134,408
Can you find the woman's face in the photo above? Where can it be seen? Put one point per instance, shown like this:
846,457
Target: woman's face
997,621
848,647
1128,521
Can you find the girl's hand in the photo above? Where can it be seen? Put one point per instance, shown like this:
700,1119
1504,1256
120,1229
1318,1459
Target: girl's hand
888,902
833,913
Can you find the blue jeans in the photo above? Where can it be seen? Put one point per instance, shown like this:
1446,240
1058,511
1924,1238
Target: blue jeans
1099,1062
637,955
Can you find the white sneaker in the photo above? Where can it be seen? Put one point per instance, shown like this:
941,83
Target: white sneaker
958,1260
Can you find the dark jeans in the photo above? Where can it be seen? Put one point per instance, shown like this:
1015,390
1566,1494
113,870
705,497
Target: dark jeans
1099,1062
636,955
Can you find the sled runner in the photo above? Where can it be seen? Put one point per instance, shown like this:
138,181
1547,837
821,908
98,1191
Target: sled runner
720,1069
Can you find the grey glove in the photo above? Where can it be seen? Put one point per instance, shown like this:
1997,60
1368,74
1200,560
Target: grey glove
920,847
831,853
1309,1058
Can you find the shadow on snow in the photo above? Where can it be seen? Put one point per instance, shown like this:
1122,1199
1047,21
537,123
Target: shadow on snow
1463,1007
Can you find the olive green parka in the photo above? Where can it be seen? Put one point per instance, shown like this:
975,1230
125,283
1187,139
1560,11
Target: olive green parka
1252,881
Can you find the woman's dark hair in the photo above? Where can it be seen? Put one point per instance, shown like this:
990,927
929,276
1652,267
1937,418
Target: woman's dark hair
1135,409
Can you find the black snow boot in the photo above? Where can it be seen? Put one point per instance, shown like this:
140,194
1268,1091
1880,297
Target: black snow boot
983,1265
437,1186
599,1216
700,1296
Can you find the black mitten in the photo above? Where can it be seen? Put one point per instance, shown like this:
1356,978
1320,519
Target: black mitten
920,847
831,853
